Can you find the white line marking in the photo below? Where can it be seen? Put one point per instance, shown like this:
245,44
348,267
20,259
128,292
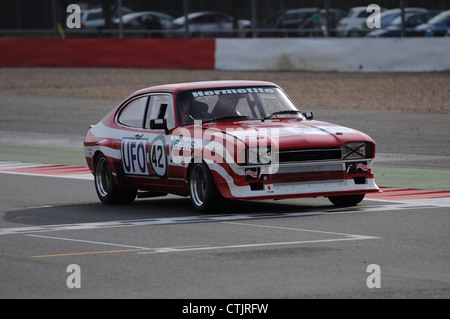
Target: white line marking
207,218
436,202
356,237
147,222
295,229
19,165
5,166
40,207
87,177
87,241
347,237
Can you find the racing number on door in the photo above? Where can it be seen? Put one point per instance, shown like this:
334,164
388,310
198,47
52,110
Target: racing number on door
156,160
158,157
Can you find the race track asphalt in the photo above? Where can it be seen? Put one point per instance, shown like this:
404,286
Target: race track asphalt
162,248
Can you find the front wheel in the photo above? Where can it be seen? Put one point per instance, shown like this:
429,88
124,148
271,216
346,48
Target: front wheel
203,190
346,200
107,190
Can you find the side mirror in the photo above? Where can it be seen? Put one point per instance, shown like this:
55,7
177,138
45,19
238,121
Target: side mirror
159,124
308,115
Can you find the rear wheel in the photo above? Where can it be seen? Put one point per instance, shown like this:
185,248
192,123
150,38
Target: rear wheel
203,190
107,190
346,200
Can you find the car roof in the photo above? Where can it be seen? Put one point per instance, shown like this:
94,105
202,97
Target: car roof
302,10
397,10
177,87
132,15
363,8
194,15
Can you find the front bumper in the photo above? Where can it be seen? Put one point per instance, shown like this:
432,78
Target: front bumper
293,180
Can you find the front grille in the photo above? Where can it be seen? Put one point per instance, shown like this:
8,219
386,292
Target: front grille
308,177
310,155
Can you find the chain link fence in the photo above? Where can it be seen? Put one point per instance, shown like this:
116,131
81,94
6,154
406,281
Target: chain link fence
211,19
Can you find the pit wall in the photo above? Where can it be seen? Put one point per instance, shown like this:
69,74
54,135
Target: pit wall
303,54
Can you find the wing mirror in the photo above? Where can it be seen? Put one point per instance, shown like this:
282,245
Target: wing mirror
308,115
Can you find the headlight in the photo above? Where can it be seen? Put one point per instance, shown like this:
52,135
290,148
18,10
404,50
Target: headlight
354,150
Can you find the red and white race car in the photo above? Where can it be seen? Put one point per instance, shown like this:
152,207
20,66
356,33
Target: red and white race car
217,140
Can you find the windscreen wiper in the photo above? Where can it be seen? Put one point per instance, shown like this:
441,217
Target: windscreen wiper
226,118
281,112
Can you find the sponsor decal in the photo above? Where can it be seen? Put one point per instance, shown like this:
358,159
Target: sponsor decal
232,91
182,144
362,167
89,151
251,173
357,168
134,156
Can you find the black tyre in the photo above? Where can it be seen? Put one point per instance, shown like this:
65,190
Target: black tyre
107,190
346,200
204,193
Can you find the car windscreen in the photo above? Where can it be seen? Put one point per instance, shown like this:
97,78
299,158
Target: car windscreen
440,18
234,104
398,20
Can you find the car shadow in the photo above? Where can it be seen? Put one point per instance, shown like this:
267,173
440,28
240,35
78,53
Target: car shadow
167,207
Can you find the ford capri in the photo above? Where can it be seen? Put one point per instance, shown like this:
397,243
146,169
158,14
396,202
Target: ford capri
225,140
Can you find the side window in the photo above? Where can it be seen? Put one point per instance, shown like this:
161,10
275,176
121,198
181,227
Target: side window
220,18
160,106
364,14
133,114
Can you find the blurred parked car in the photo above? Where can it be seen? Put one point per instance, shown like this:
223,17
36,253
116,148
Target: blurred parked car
290,19
351,25
435,27
412,20
209,24
388,16
152,21
93,19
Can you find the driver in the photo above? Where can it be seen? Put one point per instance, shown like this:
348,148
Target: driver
226,106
